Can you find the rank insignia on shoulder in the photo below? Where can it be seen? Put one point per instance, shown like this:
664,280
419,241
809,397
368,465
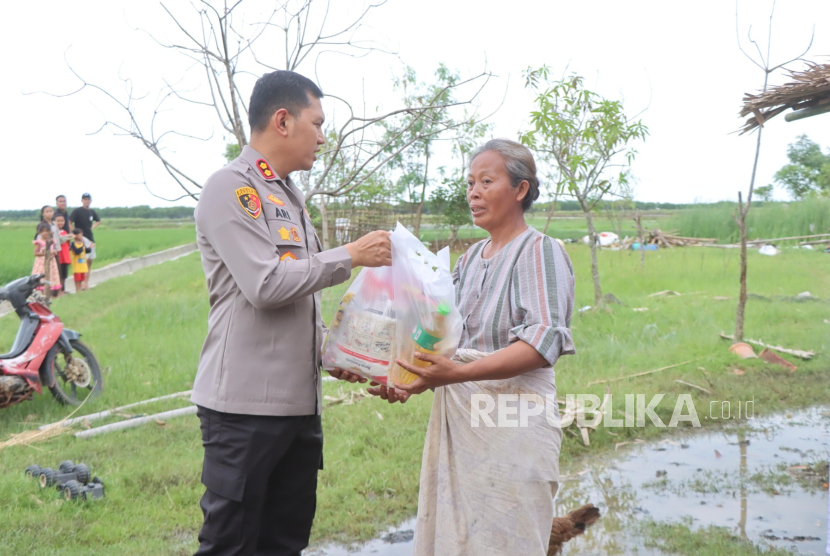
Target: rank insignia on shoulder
284,234
265,169
295,235
288,256
249,200
274,199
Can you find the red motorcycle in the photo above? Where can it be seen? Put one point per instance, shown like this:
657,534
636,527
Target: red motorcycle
44,352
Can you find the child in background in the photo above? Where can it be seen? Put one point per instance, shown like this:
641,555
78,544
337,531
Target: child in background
44,244
64,258
79,266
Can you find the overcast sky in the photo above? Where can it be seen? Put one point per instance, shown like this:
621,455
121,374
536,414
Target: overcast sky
679,60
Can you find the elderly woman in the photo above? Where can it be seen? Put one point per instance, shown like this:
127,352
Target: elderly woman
490,489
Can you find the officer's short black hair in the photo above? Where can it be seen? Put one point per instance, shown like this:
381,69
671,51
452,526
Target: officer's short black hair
276,90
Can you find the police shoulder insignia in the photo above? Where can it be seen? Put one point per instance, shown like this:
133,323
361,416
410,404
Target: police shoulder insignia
249,200
284,233
294,234
288,256
274,199
265,169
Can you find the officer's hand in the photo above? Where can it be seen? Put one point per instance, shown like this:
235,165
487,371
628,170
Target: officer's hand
391,395
340,374
373,249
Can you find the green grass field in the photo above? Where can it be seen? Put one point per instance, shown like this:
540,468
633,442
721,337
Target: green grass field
115,239
147,330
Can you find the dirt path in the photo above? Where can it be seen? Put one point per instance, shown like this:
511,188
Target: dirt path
122,268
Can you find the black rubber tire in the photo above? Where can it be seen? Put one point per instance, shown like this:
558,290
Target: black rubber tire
32,471
47,477
66,466
82,471
72,490
68,393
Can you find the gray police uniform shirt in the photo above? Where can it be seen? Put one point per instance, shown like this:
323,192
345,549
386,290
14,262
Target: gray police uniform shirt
265,269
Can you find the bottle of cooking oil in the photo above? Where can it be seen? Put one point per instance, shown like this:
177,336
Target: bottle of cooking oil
423,340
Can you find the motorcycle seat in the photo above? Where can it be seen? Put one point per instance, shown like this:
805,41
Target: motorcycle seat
25,333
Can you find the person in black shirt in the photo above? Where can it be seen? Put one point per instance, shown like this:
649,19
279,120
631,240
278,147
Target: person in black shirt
87,220
60,201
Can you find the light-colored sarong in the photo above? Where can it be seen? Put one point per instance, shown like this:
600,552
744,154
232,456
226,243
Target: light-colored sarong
487,491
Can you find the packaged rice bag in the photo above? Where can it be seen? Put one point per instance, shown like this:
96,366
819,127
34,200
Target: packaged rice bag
361,337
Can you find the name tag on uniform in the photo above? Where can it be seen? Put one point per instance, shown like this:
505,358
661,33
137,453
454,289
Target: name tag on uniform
273,212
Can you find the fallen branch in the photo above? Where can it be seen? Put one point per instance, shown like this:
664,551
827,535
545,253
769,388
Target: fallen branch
801,354
693,386
132,423
641,374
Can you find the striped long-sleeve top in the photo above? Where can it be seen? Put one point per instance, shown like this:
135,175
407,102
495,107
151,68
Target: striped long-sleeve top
525,292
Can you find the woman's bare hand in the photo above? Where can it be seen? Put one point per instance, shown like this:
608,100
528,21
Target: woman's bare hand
441,372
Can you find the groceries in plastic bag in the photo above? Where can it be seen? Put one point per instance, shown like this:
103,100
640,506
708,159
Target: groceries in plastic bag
427,319
361,337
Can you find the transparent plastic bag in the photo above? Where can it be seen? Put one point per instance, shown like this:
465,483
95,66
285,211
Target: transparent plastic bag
361,336
427,319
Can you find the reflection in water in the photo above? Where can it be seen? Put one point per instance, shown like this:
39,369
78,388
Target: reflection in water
667,480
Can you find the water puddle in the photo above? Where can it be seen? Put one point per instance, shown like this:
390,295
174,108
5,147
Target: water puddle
765,482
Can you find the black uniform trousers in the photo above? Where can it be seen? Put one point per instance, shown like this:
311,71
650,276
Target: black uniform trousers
261,478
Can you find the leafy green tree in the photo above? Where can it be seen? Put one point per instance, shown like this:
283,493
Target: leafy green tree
232,151
764,192
449,203
588,138
421,131
808,170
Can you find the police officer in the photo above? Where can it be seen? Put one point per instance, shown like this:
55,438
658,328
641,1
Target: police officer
258,383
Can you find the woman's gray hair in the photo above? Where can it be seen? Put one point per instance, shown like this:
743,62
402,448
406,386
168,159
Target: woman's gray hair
519,163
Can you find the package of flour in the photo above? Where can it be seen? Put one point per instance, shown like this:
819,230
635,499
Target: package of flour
361,336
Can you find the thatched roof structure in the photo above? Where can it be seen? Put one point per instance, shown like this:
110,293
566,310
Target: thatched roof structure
808,94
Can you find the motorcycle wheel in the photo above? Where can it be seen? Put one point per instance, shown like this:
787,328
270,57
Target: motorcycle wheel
72,390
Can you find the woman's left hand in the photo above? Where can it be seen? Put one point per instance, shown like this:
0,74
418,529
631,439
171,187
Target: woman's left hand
441,372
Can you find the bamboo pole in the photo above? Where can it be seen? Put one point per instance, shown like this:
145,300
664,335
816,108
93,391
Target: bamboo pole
785,238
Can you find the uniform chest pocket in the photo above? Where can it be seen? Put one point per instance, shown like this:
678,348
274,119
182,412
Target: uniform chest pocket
286,234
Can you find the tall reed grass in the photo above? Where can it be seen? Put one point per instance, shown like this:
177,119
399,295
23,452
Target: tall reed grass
770,220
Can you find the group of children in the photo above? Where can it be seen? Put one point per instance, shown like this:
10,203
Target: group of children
64,251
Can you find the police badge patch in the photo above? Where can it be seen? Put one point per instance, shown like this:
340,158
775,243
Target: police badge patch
249,200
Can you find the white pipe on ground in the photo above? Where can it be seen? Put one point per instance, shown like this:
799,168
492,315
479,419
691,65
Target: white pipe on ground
108,412
132,423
